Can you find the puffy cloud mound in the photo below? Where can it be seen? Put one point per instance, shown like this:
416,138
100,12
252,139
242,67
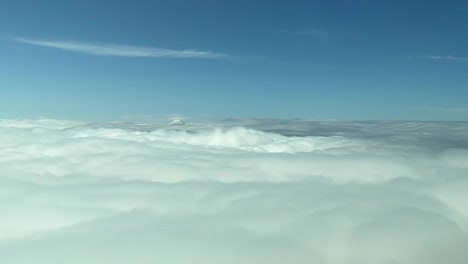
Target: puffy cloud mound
233,191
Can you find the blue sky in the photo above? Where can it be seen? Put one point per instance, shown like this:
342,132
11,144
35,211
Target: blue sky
280,59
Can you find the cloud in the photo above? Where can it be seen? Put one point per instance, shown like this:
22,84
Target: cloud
446,58
446,109
314,33
233,191
121,50
455,110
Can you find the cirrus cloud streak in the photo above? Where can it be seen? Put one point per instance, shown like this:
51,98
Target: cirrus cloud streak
121,50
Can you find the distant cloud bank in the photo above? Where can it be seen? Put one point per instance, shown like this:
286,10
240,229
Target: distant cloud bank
121,50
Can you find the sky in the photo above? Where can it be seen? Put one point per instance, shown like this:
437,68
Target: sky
345,60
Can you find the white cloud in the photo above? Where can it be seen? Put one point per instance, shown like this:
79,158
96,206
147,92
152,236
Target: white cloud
446,58
233,191
121,50
455,109
446,109
312,32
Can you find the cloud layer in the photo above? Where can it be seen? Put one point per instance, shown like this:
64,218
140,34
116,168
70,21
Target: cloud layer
121,50
233,191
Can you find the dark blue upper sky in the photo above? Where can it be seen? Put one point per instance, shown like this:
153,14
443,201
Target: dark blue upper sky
286,59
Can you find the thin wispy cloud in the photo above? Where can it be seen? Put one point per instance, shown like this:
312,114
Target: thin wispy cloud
121,50
454,109
446,109
313,33
446,58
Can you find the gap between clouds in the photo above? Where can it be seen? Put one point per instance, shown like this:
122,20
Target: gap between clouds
120,50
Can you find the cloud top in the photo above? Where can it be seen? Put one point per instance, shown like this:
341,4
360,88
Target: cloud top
233,191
